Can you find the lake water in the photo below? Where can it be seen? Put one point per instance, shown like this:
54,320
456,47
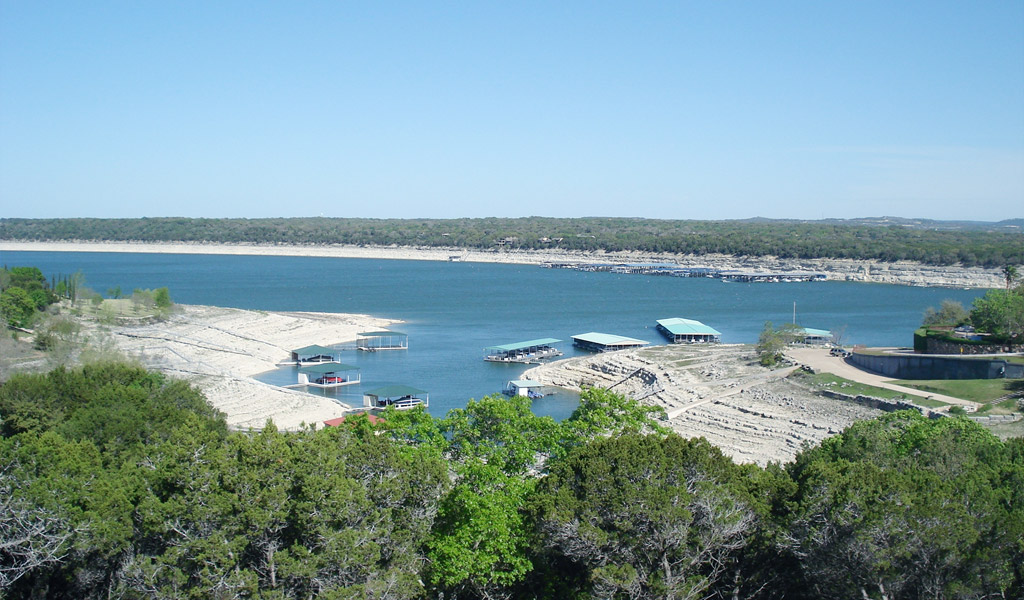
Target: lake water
452,311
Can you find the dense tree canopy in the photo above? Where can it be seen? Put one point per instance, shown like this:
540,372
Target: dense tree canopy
931,243
120,483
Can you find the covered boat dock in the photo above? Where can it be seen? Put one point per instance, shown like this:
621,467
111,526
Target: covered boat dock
311,355
605,342
688,331
371,341
523,387
402,397
328,375
523,352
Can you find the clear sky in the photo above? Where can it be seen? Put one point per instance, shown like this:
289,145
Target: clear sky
702,110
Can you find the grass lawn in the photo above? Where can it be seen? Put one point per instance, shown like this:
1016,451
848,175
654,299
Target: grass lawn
827,381
977,390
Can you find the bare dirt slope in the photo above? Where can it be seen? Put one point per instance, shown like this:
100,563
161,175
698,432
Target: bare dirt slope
220,349
719,392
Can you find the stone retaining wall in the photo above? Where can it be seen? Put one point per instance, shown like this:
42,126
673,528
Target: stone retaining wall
997,419
935,345
883,403
923,366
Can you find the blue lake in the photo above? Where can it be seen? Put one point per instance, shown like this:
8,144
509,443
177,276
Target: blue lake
452,311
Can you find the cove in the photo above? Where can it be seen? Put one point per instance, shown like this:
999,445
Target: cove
452,311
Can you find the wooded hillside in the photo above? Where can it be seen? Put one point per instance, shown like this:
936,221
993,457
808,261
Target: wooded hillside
993,245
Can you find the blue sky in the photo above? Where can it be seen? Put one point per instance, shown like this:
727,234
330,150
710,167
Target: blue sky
690,110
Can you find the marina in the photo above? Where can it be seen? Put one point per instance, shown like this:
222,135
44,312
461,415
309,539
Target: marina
675,270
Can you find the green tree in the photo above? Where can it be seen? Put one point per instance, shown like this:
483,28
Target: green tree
17,307
950,312
906,507
772,342
635,516
1001,313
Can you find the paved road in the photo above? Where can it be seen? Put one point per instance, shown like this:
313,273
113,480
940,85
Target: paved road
819,360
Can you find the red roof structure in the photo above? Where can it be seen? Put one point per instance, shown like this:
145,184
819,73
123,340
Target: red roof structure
374,420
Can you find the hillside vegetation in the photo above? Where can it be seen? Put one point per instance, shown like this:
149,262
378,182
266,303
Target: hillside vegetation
929,242
120,483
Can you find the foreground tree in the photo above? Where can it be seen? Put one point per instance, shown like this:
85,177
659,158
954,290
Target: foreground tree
907,507
635,516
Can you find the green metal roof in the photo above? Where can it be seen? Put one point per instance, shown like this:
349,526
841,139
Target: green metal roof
380,333
314,350
679,326
327,367
390,391
817,332
525,383
608,339
524,345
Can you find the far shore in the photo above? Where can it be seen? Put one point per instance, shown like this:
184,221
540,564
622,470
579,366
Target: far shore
900,273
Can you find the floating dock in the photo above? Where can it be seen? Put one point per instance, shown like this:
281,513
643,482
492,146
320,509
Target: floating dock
402,397
605,342
372,341
523,387
530,351
328,375
688,331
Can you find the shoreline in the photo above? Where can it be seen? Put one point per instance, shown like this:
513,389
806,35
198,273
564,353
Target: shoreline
897,273
220,351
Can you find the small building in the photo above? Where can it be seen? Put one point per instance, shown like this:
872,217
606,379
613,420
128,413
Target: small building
371,341
605,342
314,354
815,336
688,331
523,352
523,387
328,374
402,397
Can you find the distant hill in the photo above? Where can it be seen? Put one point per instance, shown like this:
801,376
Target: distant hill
887,239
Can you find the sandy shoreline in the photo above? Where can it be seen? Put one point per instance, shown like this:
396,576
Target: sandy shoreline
220,349
900,273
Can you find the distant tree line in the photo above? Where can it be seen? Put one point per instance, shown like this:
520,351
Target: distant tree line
120,483
786,239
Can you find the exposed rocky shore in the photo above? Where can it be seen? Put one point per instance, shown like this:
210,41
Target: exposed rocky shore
719,392
902,273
